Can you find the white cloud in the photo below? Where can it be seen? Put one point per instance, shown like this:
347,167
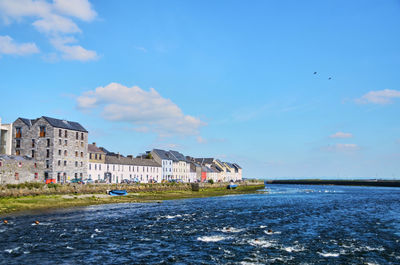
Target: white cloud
8,46
342,147
81,9
385,96
55,20
341,135
146,110
73,52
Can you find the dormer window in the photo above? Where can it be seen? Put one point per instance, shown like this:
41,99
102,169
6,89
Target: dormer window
42,131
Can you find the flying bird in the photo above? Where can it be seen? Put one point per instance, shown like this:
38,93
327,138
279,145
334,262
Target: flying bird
315,73
329,78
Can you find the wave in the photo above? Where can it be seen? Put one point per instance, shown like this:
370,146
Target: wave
211,238
327,255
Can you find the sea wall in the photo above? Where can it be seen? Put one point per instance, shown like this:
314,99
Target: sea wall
32,189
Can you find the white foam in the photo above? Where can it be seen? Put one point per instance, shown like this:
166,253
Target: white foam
261,243
231,230
211,238
271,233
93,235
263,226
293,249
171,216
68,247
97,230
335,255
11,250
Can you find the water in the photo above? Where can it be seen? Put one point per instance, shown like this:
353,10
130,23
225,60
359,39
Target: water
310,225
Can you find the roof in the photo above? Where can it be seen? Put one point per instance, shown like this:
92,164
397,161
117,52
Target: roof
131,161
178,156
237,166
63,124
94,149
204,160
164,155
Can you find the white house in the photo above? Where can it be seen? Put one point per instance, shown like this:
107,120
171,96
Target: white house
164,158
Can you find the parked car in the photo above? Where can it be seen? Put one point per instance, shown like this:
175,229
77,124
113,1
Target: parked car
79,181
88,181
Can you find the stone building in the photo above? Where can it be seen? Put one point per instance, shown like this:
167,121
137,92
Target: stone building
60,144
20,169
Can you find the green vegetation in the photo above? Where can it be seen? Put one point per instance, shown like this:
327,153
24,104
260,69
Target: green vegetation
211,181
45,202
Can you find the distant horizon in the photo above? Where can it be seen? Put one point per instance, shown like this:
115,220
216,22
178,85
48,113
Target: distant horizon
283,88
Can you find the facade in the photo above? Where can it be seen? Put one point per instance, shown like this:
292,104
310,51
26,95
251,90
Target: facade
119,168
164,158
20,169
219,171
96,164
180,166
61,145
5,138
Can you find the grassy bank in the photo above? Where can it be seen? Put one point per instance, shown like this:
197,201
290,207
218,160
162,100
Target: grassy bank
44,202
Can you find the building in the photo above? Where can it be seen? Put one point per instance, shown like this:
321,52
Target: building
60,144
164,158
219,171
20,169
180,166
119,168
5,138
96,164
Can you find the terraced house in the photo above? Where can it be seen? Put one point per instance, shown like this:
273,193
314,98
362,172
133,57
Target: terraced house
60,144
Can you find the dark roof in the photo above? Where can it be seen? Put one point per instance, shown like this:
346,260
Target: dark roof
164,155
178,156
204,160
64,124
131,161
69,125
94,149
237,166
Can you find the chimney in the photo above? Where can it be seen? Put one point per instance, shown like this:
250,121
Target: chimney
130,156
118,155
94,143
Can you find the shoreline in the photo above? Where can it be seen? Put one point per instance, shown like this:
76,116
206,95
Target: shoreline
13,205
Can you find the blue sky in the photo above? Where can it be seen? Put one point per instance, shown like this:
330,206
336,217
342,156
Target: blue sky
227,79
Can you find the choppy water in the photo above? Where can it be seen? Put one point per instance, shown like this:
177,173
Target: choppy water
310,225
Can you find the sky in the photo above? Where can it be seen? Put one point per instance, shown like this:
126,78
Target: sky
286,89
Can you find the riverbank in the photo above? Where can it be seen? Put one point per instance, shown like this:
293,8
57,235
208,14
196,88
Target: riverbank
45,202
372,182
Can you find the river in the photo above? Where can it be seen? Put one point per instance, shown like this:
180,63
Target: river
285,224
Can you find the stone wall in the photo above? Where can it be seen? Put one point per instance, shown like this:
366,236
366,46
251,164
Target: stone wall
15,170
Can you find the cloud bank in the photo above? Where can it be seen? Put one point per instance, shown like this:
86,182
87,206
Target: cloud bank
385,96
55,20
146,110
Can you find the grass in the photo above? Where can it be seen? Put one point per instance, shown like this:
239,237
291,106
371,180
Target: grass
44,202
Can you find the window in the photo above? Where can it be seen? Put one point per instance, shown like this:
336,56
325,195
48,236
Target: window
100,156
59,162
18,132
35,165
17,152
100,167
59,152
65,163
90,156
36,175
33,143
81,164
48,142
81,175
42,131
1,163
95,156
59,133
19,164
58,177
76,175
33,153
47,153
82,138
18,143
76,153
66,134
65,142
47,163
81,144
77,136
90,166
16,176
76,163
59,141
65,153
95,166
81,154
